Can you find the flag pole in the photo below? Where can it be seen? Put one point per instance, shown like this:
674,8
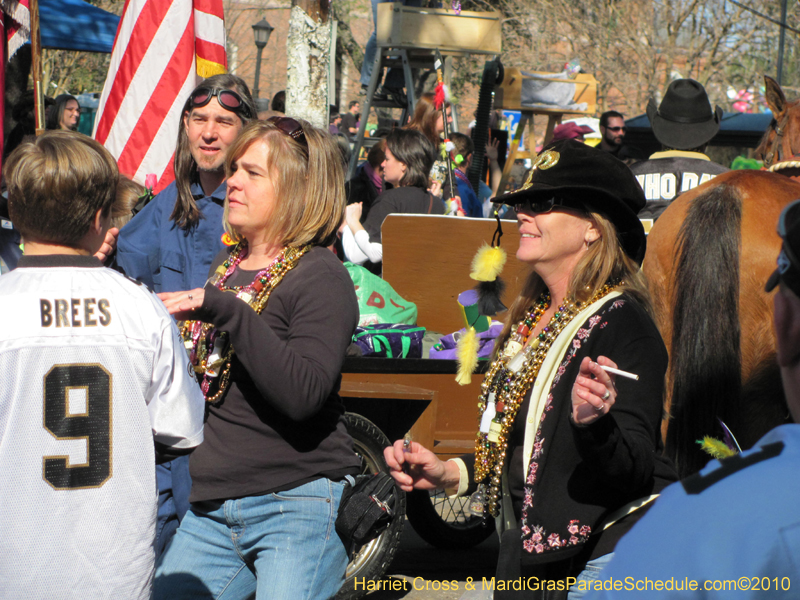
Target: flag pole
36,66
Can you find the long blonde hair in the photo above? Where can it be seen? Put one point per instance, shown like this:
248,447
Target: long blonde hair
605,260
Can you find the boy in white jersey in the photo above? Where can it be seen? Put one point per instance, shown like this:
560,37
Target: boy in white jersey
96,385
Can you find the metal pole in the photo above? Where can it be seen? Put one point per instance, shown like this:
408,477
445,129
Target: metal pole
782,41
36,66
258,71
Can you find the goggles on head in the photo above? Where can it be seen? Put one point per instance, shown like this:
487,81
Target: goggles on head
228,99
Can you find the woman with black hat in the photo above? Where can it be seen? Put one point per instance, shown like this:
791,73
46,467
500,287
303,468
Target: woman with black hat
568,455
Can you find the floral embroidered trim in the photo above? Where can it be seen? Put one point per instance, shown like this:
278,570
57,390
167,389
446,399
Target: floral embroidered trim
537,540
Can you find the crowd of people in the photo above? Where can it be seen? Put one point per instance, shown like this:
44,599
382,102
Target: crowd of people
207,341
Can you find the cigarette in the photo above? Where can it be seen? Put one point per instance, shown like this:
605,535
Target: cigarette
619,372
407,442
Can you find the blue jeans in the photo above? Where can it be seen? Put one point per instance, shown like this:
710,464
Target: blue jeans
278,546
394,78
592,571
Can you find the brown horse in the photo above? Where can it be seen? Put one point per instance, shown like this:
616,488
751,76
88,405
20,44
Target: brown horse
708,258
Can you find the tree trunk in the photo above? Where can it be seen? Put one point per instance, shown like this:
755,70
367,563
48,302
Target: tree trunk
308,55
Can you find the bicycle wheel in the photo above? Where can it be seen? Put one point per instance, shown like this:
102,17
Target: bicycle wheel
373,558
445,522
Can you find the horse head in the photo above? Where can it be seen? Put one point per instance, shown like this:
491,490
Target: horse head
780,146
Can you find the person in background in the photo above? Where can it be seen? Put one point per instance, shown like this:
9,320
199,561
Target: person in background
280,312
462,159
335,123
350,119
98,388
612,132
431,123
278,103
65,113
758,488
367,184
129,194
684,124
576,447
409,156
171,243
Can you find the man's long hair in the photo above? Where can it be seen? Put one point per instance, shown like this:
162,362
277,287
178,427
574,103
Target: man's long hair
186,214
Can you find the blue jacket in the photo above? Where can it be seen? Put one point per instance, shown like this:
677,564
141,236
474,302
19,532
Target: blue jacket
154,250
469,201
733,524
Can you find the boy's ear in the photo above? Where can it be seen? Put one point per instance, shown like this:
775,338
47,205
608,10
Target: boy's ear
97,222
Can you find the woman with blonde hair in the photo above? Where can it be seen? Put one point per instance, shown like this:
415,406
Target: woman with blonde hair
267,337
569,454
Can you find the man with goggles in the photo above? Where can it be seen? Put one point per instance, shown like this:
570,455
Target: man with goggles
170,244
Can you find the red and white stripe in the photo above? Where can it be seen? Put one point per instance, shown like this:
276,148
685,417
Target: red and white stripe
15,27
17,24
163,49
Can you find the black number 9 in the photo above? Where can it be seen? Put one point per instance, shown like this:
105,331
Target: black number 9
94,425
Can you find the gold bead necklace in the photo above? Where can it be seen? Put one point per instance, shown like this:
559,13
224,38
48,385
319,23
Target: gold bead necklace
506,383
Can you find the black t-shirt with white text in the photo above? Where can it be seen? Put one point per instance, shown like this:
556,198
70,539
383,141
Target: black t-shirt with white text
666,175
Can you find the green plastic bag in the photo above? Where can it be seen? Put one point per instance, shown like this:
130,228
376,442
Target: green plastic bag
377,300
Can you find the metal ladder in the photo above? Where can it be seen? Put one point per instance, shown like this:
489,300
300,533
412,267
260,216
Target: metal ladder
407,59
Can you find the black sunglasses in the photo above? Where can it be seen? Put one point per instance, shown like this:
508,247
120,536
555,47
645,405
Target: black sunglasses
228,99
291,128
617,128
543,206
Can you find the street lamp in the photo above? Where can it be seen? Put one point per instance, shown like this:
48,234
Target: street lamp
261,31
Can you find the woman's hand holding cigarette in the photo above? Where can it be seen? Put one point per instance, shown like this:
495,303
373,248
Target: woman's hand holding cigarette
594,392
414,467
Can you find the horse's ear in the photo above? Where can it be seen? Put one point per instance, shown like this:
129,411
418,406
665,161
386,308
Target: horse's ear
774,97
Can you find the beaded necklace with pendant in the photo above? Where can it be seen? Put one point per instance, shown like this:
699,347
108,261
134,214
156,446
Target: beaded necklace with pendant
210,352
504,387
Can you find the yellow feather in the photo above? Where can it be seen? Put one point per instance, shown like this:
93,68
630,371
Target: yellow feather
716,448
467,356
488,263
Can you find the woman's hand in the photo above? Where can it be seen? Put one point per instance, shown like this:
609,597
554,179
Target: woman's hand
424,470
182,304
436,189
594,392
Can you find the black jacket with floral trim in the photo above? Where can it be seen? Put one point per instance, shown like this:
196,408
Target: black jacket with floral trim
580,475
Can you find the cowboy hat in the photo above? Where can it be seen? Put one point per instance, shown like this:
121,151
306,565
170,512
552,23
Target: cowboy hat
684,119
582,176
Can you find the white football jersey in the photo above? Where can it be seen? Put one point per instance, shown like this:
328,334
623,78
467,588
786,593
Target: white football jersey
92,370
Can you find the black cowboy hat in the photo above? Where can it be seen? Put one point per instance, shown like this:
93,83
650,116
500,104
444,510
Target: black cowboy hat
581,176
788,271
684,120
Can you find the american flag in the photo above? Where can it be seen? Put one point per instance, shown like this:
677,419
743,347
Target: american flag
163,49
16,27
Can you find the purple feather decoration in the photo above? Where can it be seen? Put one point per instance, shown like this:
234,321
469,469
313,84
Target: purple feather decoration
729,438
